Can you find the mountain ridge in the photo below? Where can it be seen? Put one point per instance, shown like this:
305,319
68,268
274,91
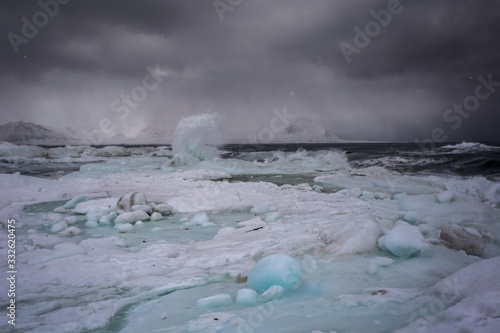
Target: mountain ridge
26,133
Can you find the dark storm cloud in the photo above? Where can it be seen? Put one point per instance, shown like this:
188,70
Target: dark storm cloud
90,34
426,36
262,55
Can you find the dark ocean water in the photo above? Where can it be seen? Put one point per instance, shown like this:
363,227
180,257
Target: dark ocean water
408,158
451,159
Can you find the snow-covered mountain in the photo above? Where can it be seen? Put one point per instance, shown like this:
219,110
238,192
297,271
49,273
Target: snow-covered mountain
154,135
148,135
22,133
303,130
299,130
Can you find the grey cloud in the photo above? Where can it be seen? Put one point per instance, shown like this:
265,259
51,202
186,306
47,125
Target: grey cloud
396,88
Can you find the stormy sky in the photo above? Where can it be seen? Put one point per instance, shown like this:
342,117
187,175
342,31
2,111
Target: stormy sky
365,70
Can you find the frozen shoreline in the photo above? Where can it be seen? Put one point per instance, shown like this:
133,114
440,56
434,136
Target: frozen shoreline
151,276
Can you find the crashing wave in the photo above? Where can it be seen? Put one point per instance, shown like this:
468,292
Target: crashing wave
470,146
196,139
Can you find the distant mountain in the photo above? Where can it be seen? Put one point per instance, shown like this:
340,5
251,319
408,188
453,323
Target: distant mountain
155,135
22,133
303,130
148,135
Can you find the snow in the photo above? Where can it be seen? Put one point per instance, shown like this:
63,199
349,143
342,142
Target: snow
272,217
279,269
403,240
93,273
263,209
473,298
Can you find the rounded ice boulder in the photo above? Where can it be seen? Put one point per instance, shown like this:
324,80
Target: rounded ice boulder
403,240
246,296
277,269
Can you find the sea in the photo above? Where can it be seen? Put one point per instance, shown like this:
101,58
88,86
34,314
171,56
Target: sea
453,158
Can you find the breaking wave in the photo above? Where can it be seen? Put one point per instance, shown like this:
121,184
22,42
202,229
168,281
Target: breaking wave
196,139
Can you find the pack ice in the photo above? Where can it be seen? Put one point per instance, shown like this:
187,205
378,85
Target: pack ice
225,252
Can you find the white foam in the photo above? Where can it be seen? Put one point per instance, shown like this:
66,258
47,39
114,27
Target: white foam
469,146
196,138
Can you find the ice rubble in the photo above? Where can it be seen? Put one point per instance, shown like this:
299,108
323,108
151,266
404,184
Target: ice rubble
131,217
83,273
12,150
68,153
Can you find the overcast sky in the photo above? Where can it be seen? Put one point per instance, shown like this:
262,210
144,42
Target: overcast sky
244,58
